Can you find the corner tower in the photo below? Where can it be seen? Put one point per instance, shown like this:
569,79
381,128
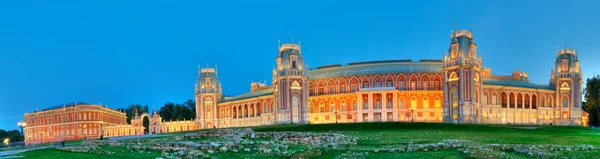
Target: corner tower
462,82
291,85
208,93
567,80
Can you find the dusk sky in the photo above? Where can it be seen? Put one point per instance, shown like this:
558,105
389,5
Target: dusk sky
147,52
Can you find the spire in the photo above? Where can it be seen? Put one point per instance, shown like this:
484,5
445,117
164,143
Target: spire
278,45
199,70
472,36
207,67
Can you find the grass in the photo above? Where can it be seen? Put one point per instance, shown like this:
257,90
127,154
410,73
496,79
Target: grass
378,135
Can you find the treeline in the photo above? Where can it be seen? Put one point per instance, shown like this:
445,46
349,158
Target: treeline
12,135
169,111
592,100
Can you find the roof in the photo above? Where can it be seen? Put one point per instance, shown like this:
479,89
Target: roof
65,105
376,67
515,83
264,92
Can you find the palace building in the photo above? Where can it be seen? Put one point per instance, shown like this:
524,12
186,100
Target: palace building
455,89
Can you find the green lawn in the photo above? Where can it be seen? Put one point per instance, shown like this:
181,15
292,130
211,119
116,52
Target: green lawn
382,135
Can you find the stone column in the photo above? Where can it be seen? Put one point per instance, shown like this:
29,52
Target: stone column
370,110
395,108
384,104
359,106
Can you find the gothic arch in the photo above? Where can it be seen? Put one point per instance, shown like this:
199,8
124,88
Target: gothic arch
437,82
389,78
362,82
453,75
376,79
331,83
343,84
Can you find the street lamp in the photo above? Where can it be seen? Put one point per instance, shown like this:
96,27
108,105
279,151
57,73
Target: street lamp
6,141
335,112
101,133
412,110
84,132
41,136
21,125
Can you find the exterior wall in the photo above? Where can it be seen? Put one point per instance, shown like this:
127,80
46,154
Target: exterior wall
70,123
376,98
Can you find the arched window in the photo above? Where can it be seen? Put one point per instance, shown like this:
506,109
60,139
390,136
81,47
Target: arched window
550,103
438,103
413,102
401,102
425,102
543,101
485,97
377,103
390,103
504,98
343,103
321,107
354,105
331,106
565,102
494,98
365,103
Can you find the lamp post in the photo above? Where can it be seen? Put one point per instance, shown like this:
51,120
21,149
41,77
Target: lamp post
21,125
41,136
335,112
412,110
84,132
101,133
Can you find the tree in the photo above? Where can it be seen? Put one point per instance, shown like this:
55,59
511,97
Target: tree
171,111
12,135
592,100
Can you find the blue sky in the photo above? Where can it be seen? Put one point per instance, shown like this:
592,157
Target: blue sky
147,52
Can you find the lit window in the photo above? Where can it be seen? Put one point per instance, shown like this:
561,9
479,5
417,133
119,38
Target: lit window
413,102
332,107
343,106
425,102
321,108
437,103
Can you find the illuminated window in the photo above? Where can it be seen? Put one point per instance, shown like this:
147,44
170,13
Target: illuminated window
413,102
425,102
485,101
321,107
343,106
437,102
413,85
425,86
332,107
